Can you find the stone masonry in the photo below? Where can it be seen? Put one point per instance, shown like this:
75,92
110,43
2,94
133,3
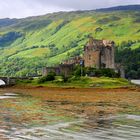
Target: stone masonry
99,54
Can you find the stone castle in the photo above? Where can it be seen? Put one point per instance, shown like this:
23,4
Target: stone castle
97,54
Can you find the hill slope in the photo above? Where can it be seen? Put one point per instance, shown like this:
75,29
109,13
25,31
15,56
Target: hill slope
26,45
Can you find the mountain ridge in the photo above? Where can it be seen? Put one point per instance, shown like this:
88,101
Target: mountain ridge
120,8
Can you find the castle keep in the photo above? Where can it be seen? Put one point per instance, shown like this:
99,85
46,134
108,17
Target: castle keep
99,54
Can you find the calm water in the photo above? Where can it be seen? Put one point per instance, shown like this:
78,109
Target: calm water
137,82
29,118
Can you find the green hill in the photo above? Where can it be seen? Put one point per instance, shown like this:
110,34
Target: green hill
26,45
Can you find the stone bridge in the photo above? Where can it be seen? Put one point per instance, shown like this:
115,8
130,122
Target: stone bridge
8,80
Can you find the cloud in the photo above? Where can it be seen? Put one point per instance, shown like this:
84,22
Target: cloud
24,8
87,4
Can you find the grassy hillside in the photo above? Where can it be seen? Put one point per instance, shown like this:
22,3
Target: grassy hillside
26,45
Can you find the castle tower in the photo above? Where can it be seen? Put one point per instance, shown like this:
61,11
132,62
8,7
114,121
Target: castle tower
109,54
92,54
99,54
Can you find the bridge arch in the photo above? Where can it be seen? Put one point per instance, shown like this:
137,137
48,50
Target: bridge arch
5,80
2,82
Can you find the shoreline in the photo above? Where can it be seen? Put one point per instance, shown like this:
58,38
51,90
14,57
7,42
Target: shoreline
82,89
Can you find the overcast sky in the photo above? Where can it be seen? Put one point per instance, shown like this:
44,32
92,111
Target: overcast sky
25,8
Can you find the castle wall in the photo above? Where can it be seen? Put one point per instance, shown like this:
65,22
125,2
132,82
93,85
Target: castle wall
109,57
62,69
113,58
91,57
75,60
47,70
66,69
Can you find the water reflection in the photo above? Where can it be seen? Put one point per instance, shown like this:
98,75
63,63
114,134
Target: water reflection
8,95
137,82
29,118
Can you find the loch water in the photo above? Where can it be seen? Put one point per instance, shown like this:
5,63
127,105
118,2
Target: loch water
23,117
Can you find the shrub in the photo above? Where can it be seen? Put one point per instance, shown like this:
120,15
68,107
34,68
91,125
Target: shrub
74,78
78,70
108,73
93,72
49,77
101,72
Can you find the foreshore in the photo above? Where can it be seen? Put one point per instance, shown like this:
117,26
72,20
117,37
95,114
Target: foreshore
85,100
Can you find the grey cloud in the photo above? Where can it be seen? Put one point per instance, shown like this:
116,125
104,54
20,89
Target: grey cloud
24,8
87,4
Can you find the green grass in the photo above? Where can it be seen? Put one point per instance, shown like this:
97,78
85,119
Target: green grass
80,82
38,52
109,82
